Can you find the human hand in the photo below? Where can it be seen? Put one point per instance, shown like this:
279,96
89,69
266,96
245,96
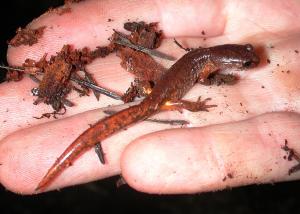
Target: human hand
237,143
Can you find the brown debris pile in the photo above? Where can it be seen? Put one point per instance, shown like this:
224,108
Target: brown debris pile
291,155
140,64
145,35
54,85
57,72
13,75
143,66
27,36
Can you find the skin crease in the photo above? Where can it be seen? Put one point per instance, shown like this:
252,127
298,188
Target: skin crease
228,140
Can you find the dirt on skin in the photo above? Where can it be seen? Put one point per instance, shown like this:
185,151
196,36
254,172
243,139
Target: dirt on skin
291,155
27,36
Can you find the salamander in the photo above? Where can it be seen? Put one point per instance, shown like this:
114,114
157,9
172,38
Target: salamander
196,65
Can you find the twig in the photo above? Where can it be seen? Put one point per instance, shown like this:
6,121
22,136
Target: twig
126,42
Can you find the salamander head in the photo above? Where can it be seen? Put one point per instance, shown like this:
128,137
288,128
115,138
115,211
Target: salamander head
235,56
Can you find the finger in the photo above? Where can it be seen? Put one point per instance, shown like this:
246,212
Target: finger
213,158
87,25
26,155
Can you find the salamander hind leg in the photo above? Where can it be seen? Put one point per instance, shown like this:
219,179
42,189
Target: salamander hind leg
199,105
99,152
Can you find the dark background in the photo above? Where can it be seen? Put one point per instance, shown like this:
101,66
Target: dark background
103,195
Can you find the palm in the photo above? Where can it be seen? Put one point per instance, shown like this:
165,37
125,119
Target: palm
248,128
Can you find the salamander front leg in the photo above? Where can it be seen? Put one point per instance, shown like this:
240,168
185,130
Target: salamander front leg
188,105
219,79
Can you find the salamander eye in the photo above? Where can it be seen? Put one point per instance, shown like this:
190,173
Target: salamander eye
249,47
247,64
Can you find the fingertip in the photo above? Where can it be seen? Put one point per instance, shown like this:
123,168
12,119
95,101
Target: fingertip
15,174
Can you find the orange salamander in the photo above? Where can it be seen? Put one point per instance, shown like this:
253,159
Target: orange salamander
196,65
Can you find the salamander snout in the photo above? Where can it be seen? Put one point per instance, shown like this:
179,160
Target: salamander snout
234,56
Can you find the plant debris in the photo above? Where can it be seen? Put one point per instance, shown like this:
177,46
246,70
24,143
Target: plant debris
54,84
145,35
57,72
100,153
27,36
121,39
13,75
54,114
146,70
135,50
140,64
229,175
291,155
